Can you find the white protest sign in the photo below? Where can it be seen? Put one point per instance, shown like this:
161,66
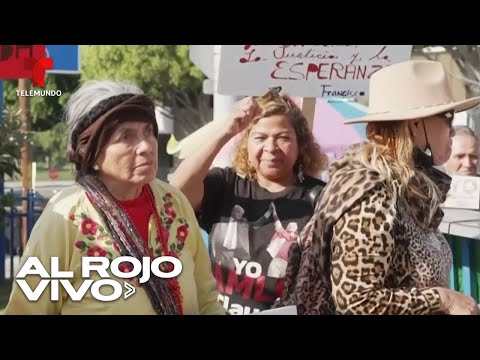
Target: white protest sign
304,70
464,193
286,310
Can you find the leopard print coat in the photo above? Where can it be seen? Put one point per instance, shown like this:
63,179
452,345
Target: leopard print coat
367,254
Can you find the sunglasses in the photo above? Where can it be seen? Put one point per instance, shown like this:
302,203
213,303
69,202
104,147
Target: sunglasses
449,115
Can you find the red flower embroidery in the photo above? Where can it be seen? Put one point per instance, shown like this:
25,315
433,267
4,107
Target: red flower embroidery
80,244
126,267
96,251
169,211
71,216
89,227
182,233
166,267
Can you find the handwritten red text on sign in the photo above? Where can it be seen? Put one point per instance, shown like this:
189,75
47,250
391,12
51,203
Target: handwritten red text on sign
304,70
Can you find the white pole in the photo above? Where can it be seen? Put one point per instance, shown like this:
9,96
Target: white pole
34,175
222,104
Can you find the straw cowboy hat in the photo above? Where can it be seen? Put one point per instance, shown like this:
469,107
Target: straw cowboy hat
411,90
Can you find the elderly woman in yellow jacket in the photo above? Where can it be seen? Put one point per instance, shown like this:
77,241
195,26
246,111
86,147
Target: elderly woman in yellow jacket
117,208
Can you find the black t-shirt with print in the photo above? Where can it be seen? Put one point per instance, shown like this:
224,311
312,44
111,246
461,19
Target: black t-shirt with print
250,231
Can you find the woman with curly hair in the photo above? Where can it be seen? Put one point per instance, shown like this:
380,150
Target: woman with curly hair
271,178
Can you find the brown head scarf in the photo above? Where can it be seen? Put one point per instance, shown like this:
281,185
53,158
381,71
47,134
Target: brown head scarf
97,126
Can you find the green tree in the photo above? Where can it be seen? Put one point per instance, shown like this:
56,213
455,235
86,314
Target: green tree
164,72
51,145
11,140
46,111
157,69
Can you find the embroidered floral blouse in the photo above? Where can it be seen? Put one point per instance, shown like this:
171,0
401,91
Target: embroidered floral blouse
70,228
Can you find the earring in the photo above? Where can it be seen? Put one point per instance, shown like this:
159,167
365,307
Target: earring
96,167
300,175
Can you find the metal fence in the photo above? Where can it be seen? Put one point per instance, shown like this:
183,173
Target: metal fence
12,228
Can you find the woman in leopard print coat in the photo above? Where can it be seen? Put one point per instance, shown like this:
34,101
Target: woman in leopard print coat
375,247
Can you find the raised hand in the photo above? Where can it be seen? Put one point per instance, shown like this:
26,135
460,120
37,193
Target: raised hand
243,113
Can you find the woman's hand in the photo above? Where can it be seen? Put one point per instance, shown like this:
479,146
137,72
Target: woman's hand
455,303
242,115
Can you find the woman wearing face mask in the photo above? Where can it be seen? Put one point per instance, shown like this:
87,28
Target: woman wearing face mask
376,246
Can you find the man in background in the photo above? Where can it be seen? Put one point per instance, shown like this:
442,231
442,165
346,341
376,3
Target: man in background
463,162
465,151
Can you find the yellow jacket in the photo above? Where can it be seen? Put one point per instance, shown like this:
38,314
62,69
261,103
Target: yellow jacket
70,228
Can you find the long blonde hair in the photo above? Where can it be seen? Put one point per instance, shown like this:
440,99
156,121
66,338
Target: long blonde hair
390,153
310,155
